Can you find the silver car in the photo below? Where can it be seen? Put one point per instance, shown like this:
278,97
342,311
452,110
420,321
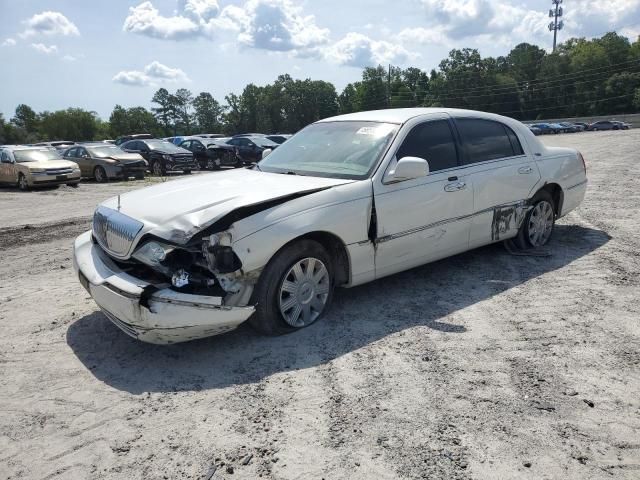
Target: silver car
105,162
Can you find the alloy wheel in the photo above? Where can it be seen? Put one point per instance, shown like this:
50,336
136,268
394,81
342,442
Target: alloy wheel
304,292
540,224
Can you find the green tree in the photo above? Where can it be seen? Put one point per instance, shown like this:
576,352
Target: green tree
208,113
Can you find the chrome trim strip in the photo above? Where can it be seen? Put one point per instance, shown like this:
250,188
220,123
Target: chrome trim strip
578,185
386,238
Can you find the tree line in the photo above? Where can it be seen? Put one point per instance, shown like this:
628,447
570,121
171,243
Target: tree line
582,78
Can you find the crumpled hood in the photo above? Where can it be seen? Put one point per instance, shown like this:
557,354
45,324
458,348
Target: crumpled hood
178,209
125,157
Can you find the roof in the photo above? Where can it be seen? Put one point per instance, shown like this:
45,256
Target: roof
26,147
402,115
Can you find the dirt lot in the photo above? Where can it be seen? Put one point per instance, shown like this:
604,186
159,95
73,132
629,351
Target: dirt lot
483,366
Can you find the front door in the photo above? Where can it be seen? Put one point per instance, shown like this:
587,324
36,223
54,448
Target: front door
427,218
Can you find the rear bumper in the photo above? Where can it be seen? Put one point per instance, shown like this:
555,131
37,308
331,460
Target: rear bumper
165,316
573,197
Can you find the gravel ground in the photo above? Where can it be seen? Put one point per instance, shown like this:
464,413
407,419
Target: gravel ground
483,366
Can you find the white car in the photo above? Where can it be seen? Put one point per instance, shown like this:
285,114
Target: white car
345,201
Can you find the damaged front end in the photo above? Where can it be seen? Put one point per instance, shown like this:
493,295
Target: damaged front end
163,292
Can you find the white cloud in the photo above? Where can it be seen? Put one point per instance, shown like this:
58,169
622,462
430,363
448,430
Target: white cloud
9,42
277,25
133,78
46,49
358,50
145,19
153,74
49,23
157,70
461,18
423,36
69,58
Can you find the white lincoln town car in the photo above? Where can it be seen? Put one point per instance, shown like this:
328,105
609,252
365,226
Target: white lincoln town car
345,201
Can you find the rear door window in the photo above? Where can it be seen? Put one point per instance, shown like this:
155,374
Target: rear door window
486,140
432,141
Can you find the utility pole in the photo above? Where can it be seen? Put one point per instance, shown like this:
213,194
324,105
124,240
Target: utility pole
556,25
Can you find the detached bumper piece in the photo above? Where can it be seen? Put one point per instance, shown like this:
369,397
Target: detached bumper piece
163,316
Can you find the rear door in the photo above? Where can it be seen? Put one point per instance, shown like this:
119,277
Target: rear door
427,218
503,175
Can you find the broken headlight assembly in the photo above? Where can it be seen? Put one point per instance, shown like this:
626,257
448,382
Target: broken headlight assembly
218,253
152,253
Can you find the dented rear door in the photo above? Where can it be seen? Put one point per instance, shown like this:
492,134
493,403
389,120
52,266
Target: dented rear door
503,174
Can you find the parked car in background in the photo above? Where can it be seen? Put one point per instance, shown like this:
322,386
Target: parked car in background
134,136
569,127
211,153
604,125
620,125
535,130
249,135
104,162
279,138
547,128
28,167
347,200
162,156
249,149
210,135
57,144
582,125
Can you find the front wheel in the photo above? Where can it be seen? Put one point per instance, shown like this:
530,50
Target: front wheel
295,289
538,224
100,175
23,184
158,168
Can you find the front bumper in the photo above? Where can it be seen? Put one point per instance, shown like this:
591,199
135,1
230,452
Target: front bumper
44,179
173,166
126,171
168,317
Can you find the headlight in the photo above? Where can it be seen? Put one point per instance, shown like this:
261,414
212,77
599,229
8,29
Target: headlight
112,161
152,253
166,157
36,170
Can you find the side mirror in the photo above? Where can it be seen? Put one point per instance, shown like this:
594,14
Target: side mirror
409,168
266,152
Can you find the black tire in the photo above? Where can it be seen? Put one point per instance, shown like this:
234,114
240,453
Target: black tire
23,184
100,175
158,168
140,177
268,318
523,240
187,172
73,185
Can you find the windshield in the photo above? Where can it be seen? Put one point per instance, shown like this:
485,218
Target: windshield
263,142
23,156
348,150
165,147
106,151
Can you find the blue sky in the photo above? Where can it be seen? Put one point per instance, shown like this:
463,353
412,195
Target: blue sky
94,54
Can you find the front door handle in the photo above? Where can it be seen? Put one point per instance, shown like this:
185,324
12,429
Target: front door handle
454,187
525,170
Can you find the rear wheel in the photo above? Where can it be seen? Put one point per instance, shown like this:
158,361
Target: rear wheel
295,289
23,184
538,224
100,175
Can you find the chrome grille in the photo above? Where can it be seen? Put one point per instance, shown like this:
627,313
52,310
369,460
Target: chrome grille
59,171
114,231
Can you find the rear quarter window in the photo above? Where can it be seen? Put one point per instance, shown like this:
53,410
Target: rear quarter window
485,140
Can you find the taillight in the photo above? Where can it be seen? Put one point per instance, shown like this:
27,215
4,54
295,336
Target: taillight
583,162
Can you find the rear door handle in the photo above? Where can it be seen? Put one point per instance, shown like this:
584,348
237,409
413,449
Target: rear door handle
454,187
525,170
